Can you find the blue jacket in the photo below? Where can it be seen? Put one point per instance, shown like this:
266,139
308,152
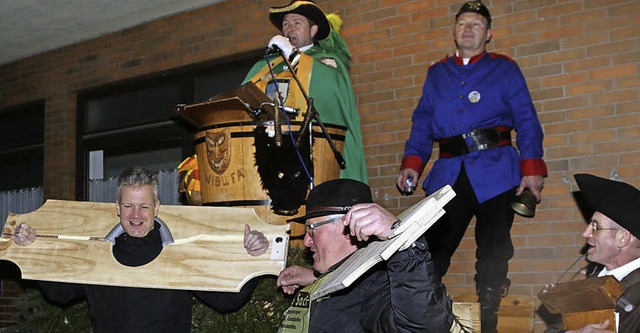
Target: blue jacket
488,92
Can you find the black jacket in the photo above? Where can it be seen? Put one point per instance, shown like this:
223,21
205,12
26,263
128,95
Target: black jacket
135,310
402,295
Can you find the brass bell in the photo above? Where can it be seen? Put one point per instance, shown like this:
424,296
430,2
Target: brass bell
525,203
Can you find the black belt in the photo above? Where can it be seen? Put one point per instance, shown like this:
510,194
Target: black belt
480,139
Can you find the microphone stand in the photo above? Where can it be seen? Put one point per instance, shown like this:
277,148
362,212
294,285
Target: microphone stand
312,112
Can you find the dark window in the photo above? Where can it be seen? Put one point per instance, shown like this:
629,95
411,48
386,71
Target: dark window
21,146
134,107
220,80
133,123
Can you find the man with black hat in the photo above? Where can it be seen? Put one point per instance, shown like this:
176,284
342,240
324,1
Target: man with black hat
310,40
613,236
471,102
401,295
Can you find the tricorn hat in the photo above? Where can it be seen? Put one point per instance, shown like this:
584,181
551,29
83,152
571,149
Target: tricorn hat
617,200
335,197
307,9
477,7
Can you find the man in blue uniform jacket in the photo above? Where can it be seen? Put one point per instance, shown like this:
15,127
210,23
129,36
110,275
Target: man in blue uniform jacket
471,102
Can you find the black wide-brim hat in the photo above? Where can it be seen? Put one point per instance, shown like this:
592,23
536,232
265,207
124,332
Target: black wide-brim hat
475,7
335,196
617,200
307,9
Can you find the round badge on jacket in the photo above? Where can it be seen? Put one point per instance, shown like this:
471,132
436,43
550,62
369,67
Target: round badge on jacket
474,96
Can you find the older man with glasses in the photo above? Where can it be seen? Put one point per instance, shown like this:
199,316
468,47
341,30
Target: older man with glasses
401,295
613,237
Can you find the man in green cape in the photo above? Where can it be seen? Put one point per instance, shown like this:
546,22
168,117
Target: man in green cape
321,60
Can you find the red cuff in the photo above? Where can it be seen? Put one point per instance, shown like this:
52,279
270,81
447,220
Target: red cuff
533,167
412,162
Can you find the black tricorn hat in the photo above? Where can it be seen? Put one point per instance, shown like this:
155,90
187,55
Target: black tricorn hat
335,197
477,7
307,9
617,200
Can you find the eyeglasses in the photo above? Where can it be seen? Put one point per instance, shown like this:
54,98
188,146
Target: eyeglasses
595,227
309,228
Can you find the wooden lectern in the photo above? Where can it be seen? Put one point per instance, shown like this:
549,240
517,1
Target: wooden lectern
238,105
225,145
584,302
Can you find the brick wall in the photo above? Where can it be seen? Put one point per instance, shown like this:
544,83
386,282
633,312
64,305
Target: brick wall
10,290
580,58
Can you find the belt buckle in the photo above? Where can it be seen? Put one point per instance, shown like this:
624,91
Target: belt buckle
480,139
474,144
469,134
477,147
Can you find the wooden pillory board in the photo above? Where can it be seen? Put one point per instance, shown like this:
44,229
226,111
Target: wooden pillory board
208,252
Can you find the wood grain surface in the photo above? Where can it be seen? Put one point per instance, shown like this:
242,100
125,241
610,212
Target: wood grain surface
208,253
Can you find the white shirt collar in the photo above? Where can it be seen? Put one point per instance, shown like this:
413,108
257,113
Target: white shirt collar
622,271
464,60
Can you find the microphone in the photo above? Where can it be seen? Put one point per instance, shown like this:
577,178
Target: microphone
284,108
273,49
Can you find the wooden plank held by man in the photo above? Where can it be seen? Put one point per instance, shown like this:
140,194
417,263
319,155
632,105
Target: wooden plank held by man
207,252
414,222
584,302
